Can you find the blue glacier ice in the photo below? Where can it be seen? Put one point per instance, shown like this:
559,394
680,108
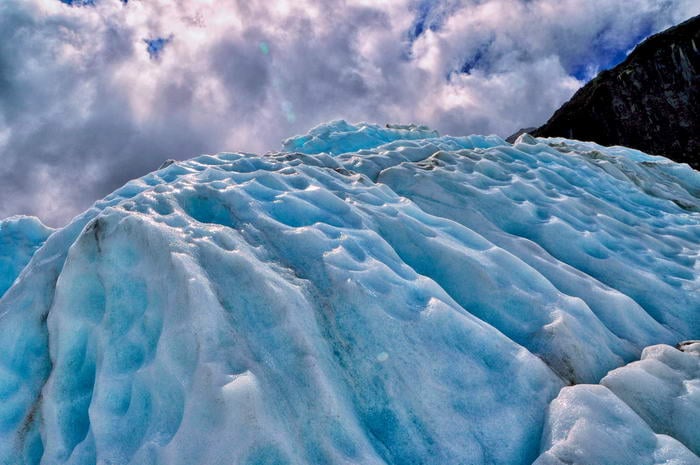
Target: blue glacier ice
664,389
644,413
589,425
20,237
370,295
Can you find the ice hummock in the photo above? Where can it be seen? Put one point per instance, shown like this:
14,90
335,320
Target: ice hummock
370,295
663,388
644,413
589,425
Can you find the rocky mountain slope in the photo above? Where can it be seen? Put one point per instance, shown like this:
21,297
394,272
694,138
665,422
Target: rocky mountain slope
650,102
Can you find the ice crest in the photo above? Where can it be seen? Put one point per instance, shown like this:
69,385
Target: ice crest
339,137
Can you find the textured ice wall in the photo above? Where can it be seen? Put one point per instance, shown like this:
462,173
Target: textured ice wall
606,241
388,297
20,237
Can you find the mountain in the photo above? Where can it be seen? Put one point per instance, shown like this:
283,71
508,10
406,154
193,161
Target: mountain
650,101
368,295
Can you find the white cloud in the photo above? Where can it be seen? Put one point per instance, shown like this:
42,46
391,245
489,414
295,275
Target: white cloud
84,107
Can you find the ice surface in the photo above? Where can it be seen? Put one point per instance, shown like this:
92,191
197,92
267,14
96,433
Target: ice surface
371,295
20,237
589,425
664,389
690,347
340,137
644,413
612,244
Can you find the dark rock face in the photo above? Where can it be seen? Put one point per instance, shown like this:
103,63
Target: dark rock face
650,102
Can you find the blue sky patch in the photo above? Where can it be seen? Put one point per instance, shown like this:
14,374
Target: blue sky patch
78,2
423,20
85,2
155,46
606,57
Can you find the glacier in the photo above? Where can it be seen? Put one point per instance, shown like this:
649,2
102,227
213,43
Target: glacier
369,294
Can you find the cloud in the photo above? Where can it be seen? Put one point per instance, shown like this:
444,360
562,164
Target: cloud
95,93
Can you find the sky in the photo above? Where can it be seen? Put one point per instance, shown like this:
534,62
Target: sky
96,92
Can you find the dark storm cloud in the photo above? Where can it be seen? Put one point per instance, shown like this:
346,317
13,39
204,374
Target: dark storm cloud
90,97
